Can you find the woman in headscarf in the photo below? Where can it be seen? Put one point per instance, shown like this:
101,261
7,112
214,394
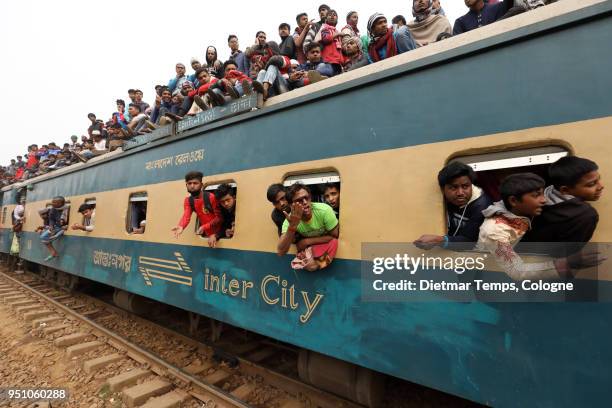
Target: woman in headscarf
213,64
427,25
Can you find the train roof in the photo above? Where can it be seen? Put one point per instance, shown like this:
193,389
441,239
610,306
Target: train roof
538,21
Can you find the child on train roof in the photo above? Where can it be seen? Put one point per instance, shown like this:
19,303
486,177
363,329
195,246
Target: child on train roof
567,216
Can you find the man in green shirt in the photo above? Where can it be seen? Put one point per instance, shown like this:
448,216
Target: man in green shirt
316,223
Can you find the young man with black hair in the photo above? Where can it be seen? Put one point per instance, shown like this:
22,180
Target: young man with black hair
464,205
286,45
277,195
242,62
138,100
227,200
204,204
56,224
567,216
314,70
138,122
299,35
89,216
316,223
260,52
398,21
331,194
314,28
507,221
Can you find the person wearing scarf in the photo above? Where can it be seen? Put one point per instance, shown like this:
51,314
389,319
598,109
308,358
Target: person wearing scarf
331,40
350,30
386,42
426,25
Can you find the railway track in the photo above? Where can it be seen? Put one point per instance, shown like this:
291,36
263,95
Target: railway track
164,368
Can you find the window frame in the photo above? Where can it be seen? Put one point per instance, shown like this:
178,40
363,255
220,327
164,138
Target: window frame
135,197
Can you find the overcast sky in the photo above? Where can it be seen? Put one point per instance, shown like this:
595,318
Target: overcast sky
61,60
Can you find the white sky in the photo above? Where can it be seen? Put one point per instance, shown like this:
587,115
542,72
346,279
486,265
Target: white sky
63,59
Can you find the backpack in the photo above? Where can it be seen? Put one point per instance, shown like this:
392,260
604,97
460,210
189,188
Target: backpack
207,204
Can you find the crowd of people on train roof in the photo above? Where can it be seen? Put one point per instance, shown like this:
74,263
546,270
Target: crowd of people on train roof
316,50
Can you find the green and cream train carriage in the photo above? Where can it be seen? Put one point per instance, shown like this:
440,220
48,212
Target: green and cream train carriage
521,92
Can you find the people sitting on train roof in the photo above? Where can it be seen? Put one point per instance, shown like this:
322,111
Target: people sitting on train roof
227,200
259,53
317,225
350,30
567,216
355,57
427,26
386,42
331,194
204,204
480,14
236,80
277,195
508,220
56,225
163,105
273,77
331,42
465,202
286,45
98,148
199,96
89,218
313,70
314,28
241,60
138,123
176,83
138,100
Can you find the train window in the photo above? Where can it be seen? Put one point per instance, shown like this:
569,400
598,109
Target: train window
136,220
325,187
491,168
66,208
226,204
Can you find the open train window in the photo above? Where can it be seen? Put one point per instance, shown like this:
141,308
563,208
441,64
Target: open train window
491,168
227,201
324,187
136,221
66,209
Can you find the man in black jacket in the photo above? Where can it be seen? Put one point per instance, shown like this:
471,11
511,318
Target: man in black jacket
567,218
464,204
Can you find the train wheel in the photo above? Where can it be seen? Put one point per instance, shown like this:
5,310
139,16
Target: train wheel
130,302
348,380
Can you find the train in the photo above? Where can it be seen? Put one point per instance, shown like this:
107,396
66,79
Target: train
514,95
